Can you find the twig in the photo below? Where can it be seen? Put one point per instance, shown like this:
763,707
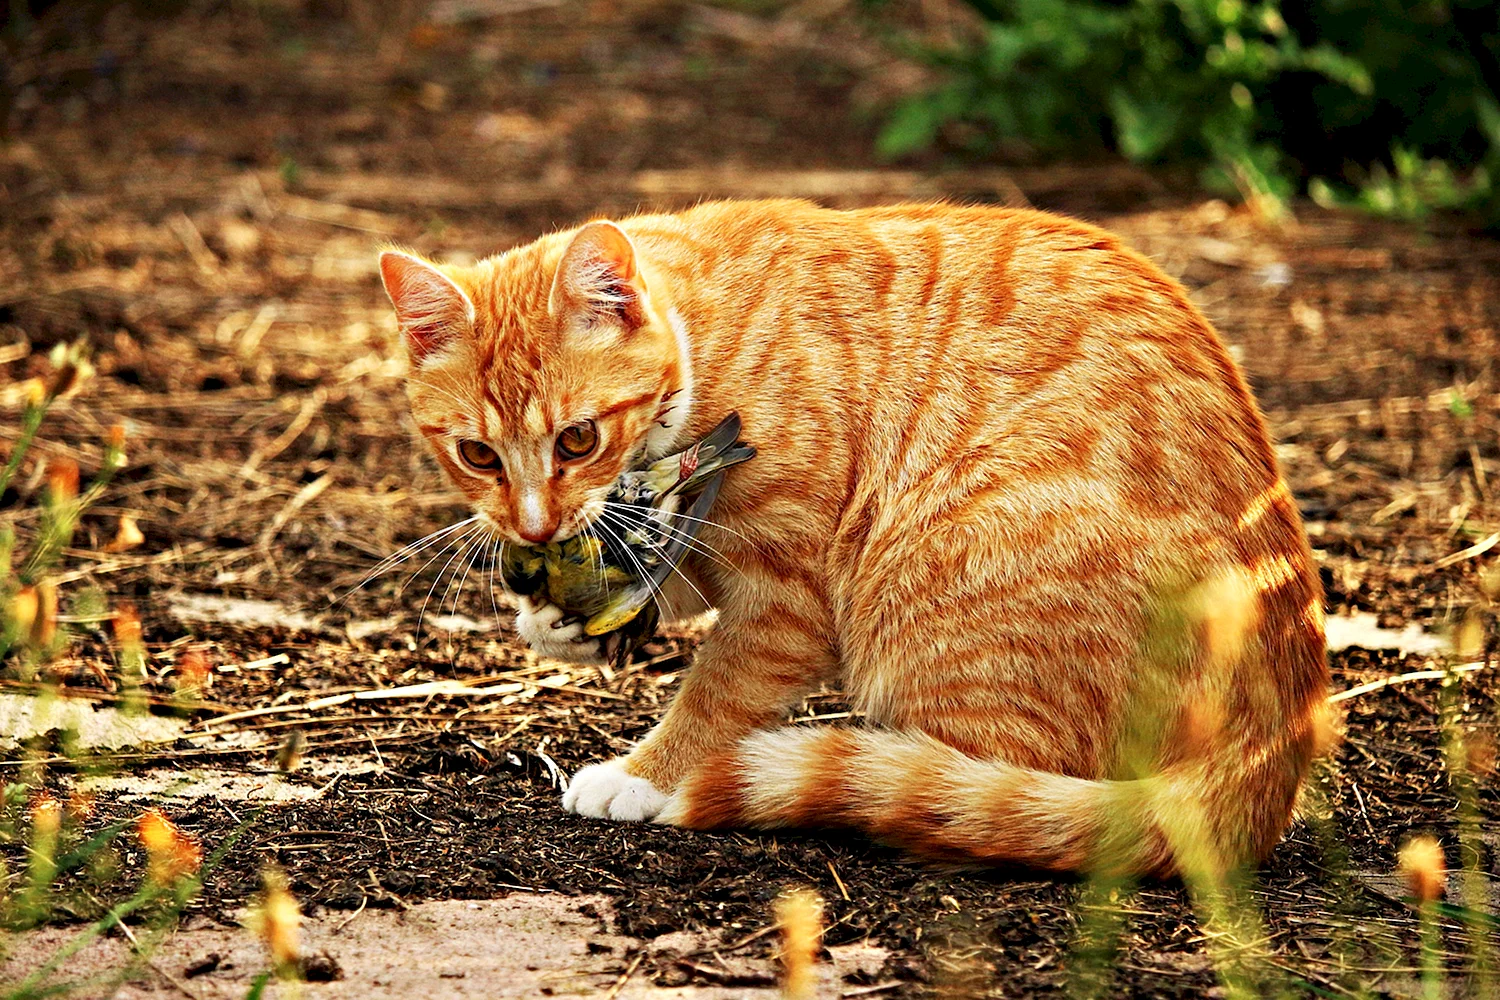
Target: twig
363,902
726,977
1477,549
178,984
110,697
838,881
192,241
305,496
1415,675
425,690
283,441
1365,813
619,985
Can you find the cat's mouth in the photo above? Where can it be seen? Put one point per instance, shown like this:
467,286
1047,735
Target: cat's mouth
580,521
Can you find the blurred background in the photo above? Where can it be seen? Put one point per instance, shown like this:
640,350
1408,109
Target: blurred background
1392,106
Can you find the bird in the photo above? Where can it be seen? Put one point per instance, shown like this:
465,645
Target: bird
608,579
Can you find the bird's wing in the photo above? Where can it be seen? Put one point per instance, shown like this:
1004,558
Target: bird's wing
687,471
674,547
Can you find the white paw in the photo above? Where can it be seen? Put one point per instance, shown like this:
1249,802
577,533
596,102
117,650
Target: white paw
541,624
607,791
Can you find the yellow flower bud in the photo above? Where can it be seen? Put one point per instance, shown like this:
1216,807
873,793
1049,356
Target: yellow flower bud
62,479
278,922
171,854
800,914
1421,862
44,624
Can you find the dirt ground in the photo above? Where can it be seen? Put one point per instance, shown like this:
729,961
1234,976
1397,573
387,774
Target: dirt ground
202,198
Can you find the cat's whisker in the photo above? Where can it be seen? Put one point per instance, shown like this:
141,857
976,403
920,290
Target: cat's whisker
675,569
598,558
404,553
689,517
489,579
694,544
455,560
450,543
473,551
463,544
663,606
466,563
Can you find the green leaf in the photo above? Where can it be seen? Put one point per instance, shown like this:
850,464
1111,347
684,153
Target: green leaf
1144,127
1489,119
913,126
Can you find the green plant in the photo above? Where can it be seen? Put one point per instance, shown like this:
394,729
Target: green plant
29,634
1390,106
63,866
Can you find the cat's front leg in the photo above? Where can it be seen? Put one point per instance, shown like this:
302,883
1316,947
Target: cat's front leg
549,631
744,677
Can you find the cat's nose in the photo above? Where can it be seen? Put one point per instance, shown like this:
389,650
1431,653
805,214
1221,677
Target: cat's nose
538,536
536,519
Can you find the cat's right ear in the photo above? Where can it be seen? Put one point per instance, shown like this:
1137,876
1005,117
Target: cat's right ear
430,309
598,284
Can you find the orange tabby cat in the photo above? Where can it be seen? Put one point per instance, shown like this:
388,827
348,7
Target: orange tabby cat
1004,469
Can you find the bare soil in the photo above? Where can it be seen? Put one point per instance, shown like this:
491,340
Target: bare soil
202,197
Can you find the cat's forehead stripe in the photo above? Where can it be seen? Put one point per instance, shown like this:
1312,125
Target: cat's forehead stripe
535,418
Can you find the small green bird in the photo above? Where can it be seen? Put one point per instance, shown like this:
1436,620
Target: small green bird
609,577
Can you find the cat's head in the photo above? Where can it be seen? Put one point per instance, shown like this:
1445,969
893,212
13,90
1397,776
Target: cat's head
539,375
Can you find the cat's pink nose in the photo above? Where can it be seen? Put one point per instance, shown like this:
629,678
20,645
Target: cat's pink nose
538,536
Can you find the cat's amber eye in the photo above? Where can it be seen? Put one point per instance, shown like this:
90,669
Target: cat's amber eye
478,455
577,440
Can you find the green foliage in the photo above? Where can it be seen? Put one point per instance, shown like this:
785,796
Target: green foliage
1387,105
28,600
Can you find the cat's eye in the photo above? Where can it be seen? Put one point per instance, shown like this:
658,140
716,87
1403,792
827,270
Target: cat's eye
577,440
478,455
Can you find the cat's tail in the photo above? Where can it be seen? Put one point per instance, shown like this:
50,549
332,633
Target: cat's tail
914,792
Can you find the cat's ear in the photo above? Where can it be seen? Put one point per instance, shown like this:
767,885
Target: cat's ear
430,308
598,282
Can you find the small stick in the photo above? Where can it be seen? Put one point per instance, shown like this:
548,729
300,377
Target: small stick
1415,675
363,901
619,985
838,881
1477,549
305,496
283,441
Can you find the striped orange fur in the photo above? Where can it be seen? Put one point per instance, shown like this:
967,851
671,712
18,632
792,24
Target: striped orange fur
1002,461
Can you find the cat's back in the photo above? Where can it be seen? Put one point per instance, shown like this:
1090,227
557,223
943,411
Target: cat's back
981,278
957,335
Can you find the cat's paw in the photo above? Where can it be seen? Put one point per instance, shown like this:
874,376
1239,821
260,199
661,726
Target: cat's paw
608,791
542,625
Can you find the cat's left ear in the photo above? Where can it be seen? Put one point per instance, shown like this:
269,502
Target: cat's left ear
598,282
